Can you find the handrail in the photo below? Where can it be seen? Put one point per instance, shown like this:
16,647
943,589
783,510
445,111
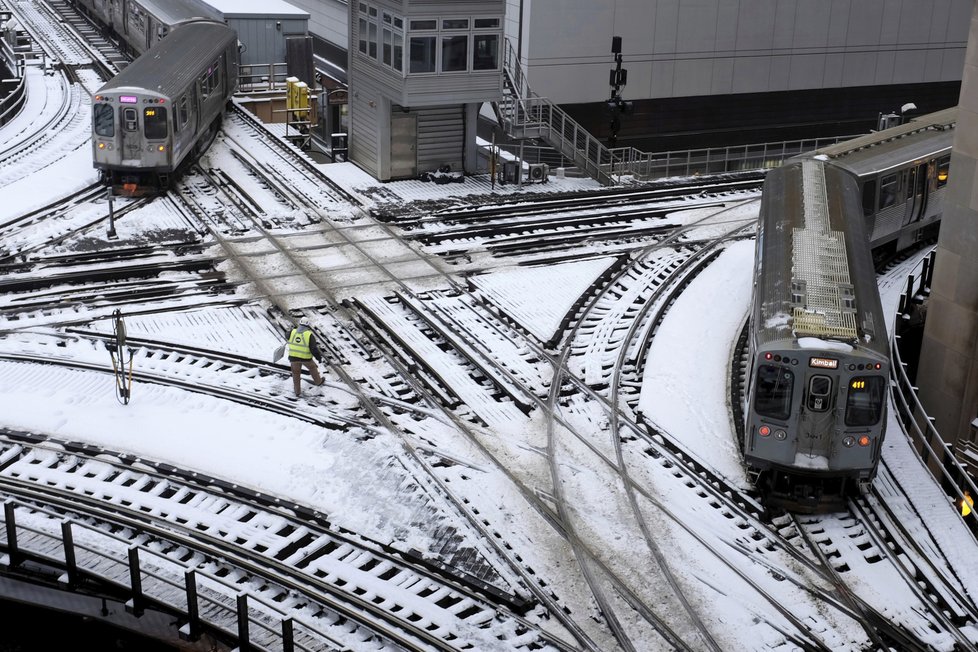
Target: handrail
916,423
526,114
11,105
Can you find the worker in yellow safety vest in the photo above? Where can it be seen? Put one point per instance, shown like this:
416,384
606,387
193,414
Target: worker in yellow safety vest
302,348
967,503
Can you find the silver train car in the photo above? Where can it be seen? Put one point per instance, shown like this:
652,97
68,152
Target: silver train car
164,107
816,386
902,173
139,24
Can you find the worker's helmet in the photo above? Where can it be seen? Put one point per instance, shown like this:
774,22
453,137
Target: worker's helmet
304,321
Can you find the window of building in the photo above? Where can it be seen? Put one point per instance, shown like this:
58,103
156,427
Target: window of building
104,120
454,53
485,52
422,53
435,45
154,122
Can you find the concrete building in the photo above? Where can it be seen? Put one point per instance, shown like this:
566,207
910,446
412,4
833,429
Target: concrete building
717,72
948,369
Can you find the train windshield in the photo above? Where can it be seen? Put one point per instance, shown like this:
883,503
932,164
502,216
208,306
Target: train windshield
772,397
104,118
865,400
154,122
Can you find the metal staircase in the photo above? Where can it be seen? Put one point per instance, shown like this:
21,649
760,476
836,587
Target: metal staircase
524,114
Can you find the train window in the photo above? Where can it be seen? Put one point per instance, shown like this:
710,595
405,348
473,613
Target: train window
104,119
889,190
869,197
819,393
154,122
184,110
864,403
943,169
129,119
772,395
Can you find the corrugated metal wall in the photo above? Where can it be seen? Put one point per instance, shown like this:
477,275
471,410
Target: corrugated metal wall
441,137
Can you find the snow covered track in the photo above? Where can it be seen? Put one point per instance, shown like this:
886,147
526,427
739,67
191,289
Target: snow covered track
285,558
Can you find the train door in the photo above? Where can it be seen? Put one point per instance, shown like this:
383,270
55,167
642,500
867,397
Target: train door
816,421
917,189
132,142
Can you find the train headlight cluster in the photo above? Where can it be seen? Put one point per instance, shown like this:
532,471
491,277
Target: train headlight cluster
868,365
765,431
780,358
849,441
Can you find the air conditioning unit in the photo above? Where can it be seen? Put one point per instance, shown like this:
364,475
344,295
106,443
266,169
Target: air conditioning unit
538,172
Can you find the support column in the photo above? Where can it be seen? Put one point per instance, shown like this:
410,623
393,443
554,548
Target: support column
948,369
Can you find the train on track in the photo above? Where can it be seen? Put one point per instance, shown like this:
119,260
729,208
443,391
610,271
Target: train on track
165,107
815,390
137,25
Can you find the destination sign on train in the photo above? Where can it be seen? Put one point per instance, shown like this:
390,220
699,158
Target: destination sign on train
823,363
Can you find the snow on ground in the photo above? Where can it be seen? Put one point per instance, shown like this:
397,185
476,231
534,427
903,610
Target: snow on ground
678,394
362,483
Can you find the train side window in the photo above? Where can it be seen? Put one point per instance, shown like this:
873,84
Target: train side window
869,197
154,122
104,120
943,170
772,395
184,110
889,190
819,393
864,403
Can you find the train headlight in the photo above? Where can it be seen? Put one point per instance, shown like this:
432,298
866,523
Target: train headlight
161,148
764,431
849,441
780,435
101,145
864,440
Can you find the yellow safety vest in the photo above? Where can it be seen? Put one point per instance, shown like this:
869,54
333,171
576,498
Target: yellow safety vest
299,344
966,504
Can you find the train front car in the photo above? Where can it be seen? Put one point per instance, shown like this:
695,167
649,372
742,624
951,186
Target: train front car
164,107
816,396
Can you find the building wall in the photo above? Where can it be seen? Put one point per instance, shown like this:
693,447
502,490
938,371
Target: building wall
948,369
678,48
265,37
327,19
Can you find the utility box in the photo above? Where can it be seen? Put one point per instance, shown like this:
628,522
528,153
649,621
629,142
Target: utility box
509,172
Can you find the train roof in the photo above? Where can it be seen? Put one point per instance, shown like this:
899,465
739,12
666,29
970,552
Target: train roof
922,137
815,274
257,8
173,63
173,12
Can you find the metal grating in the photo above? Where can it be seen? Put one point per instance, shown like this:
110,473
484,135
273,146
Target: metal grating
820,267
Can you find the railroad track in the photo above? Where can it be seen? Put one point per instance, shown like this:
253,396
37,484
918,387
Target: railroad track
334,587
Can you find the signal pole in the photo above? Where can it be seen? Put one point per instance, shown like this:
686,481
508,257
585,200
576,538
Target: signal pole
617,79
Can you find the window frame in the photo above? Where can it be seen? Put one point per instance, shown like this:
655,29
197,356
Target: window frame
783,377
874,384
99,121
154,122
